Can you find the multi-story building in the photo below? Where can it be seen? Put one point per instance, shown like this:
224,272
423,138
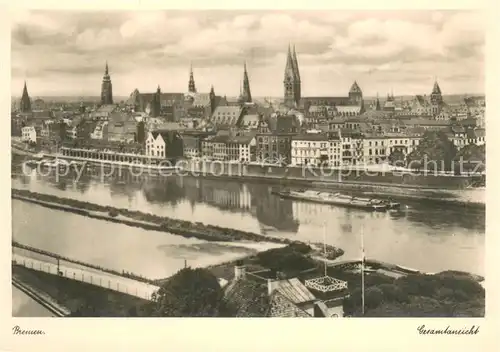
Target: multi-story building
191,146
230,146
462,137
214,147
28,134
374,149
100,131
226,116
170,106
352,146
164,144
122,127
316,149
274,139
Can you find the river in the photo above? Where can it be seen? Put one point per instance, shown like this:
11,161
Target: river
422,235
25,306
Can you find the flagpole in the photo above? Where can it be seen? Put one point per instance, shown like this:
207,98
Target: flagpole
324,246
362,272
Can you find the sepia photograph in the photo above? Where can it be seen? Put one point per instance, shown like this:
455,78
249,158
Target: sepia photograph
248,163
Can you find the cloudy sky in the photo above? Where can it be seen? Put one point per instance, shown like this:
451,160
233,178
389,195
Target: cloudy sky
63,53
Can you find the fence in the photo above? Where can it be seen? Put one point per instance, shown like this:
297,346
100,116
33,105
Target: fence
115,283
35,253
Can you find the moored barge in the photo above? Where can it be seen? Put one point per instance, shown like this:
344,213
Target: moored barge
339,199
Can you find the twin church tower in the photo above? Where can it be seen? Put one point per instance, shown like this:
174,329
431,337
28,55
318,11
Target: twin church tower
291,82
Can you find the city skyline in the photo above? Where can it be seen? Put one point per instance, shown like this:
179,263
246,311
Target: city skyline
384,51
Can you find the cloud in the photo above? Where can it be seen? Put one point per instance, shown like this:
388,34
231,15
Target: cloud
332,45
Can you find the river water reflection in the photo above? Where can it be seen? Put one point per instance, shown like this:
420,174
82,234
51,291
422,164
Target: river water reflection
423,235
25,306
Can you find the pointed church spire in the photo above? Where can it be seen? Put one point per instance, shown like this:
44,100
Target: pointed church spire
246,96
191,84
377,104
25,105
106,87
295,64
291,80
289,68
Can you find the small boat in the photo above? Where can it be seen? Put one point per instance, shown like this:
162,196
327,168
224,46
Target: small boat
335,199
393,205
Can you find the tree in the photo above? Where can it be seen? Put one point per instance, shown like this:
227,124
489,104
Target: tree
435,152
397,158
471,158
189,293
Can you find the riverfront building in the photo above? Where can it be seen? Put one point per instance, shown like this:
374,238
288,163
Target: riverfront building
274,138
164,144
317,149
230,146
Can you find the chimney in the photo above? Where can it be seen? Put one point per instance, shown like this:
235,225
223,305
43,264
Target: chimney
239,271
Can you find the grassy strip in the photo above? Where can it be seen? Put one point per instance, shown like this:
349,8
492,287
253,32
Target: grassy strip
145,220
82,299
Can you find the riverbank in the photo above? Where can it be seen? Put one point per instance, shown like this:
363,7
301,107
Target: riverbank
398,184
394,191
144,220
78,298
49,303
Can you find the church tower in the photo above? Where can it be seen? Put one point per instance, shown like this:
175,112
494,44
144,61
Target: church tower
156,103
436,96
436,99
213,102
291,81
106,88
25,105
246,95
297,76
355,94
191,86
377,104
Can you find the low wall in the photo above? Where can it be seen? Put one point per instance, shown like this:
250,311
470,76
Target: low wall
390,179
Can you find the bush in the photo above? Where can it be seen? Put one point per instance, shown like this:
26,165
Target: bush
393,293
299,247
373,297
285,259
113,213
189,293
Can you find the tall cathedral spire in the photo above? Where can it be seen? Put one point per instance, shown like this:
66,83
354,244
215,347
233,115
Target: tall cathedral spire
291,82
192,86
295,64
245,94
377,104
25,105
106,88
